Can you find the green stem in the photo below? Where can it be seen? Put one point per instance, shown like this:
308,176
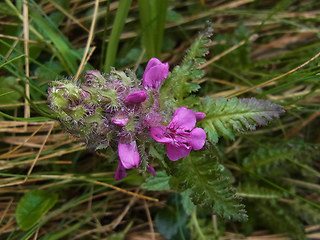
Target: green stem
196,225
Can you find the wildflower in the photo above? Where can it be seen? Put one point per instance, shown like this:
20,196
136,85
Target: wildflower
128,153
120,119
121,172
129,158
110,109
200,115
151,169
155,73
180,135
136,97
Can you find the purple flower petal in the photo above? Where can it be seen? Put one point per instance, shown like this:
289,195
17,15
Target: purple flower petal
129,155
184,119
120,119
175,152
197,138
200,115
151,169
121,172
155,73
159,134
152,62
136,97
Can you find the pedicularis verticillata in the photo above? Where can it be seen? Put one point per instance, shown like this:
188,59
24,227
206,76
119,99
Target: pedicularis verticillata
140,119
109,109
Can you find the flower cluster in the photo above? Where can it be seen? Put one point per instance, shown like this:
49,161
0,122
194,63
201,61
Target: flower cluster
116,110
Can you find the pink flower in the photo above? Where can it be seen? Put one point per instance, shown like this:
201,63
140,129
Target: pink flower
200,115
180,135
151,169
129,158
120,119
129,155
121,172
155,73
136,97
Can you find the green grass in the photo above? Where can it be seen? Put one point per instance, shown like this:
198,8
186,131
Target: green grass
275,168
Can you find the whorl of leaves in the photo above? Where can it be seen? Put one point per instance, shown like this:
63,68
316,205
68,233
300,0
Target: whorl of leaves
179,82
227,116
209,185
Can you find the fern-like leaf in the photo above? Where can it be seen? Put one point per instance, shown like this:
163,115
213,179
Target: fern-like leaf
227,116
254,191
210,188
267,161
180,81
280,218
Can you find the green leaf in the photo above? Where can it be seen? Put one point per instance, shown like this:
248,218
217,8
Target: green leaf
252,190
11,60
174,16
5,10
32,206
69,229
268,161
8,93
65,52
224,117
171,220
187,204
44,74
205,178
152,18
180,83
158,183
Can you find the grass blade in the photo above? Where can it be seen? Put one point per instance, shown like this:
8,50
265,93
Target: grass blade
122,12
66,52
152,18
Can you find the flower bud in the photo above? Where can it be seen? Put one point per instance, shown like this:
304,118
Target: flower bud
58,100
126,81
77,112
136,97
72,91
94,76
120,119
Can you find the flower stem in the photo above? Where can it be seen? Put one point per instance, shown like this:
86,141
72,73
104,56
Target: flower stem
196,224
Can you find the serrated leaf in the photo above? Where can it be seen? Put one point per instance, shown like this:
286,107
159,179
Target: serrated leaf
158,183
180,83
32,206
224,117
256,191
208,185
187,204
268,160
